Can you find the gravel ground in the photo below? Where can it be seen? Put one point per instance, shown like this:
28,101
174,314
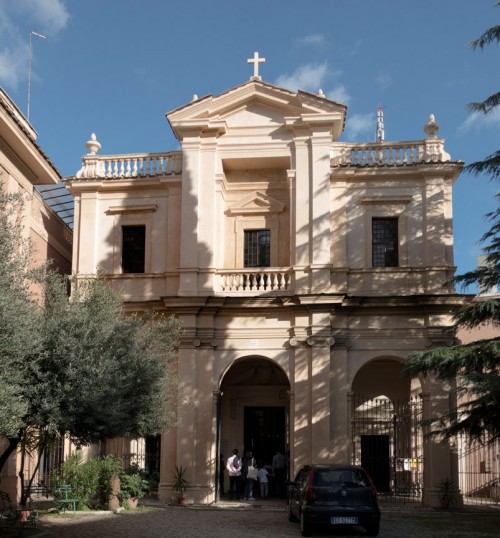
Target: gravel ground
259,521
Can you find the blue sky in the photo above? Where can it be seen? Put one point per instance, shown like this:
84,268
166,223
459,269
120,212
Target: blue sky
115,67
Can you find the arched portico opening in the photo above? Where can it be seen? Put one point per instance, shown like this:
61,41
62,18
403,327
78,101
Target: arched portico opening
386,435
254,409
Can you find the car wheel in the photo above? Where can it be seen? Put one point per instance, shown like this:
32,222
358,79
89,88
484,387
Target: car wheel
291,515
304,526
373,530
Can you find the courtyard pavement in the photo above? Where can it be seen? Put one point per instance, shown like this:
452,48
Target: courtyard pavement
257,520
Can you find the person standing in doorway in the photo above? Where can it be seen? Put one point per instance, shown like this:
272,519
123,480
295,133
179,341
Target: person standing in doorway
263,482
233,467
279,471
250,474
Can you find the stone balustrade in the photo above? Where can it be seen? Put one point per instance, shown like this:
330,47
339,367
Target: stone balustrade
389,153
393,153
260,279
130,165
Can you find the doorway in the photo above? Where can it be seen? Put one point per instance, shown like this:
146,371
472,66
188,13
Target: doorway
264,431
375,458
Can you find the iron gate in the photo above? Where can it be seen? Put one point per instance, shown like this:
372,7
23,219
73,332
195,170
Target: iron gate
386,439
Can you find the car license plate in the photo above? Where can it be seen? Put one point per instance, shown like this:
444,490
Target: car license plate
344,520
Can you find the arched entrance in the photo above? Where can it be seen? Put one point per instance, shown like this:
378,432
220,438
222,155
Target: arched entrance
254,409
386,436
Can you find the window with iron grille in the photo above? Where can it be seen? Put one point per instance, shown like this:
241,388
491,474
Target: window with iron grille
385,242
133,249
257,248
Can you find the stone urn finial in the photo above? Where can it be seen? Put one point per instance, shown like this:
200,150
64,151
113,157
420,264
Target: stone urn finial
92,145
431,127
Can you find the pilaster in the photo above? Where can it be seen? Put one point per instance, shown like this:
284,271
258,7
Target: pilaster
320,226
339,406
188,269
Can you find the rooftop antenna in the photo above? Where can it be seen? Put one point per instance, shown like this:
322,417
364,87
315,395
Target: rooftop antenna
29,67
379,134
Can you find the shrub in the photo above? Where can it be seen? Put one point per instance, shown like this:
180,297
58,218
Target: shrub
90,481
133,484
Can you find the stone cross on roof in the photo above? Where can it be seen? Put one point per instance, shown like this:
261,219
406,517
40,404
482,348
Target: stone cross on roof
256,61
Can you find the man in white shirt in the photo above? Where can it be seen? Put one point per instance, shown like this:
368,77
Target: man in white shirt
233,467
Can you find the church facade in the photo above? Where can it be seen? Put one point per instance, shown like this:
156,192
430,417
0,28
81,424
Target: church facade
303,270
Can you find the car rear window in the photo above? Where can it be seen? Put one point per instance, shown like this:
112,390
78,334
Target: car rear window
327,477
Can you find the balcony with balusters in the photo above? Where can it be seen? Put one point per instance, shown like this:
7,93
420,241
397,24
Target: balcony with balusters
254,281
429,150
130,165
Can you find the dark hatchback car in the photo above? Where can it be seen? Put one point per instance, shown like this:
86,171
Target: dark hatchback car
333,496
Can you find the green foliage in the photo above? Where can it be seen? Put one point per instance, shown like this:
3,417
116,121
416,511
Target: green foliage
133,484
89,481
82,477
109,466
78,366
474,366
446,491
19,315
181,483
103,374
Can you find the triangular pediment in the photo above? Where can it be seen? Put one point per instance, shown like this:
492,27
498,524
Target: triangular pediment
256,103
256,203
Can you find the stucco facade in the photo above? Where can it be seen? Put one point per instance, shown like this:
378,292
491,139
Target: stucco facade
261,236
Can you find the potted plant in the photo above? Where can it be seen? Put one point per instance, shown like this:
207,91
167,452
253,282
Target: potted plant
181,483
132,488
446,492
495,490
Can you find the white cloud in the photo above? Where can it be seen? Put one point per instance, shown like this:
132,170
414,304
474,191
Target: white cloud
309,77
12,62
51,15
477,121
47,17
359,124
312,77
313,39
356,47
339,94
383,80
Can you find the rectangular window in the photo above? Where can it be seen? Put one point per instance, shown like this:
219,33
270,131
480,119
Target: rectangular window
257,248
133,249
385,242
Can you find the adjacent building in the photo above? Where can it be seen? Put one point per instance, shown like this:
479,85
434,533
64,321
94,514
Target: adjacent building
26,169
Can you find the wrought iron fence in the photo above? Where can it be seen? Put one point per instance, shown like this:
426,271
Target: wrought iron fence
478,470
386,439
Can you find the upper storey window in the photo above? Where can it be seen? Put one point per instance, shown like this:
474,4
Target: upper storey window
133,249
385,242
257,248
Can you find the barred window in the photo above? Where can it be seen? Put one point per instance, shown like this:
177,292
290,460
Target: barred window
385,242
257,248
